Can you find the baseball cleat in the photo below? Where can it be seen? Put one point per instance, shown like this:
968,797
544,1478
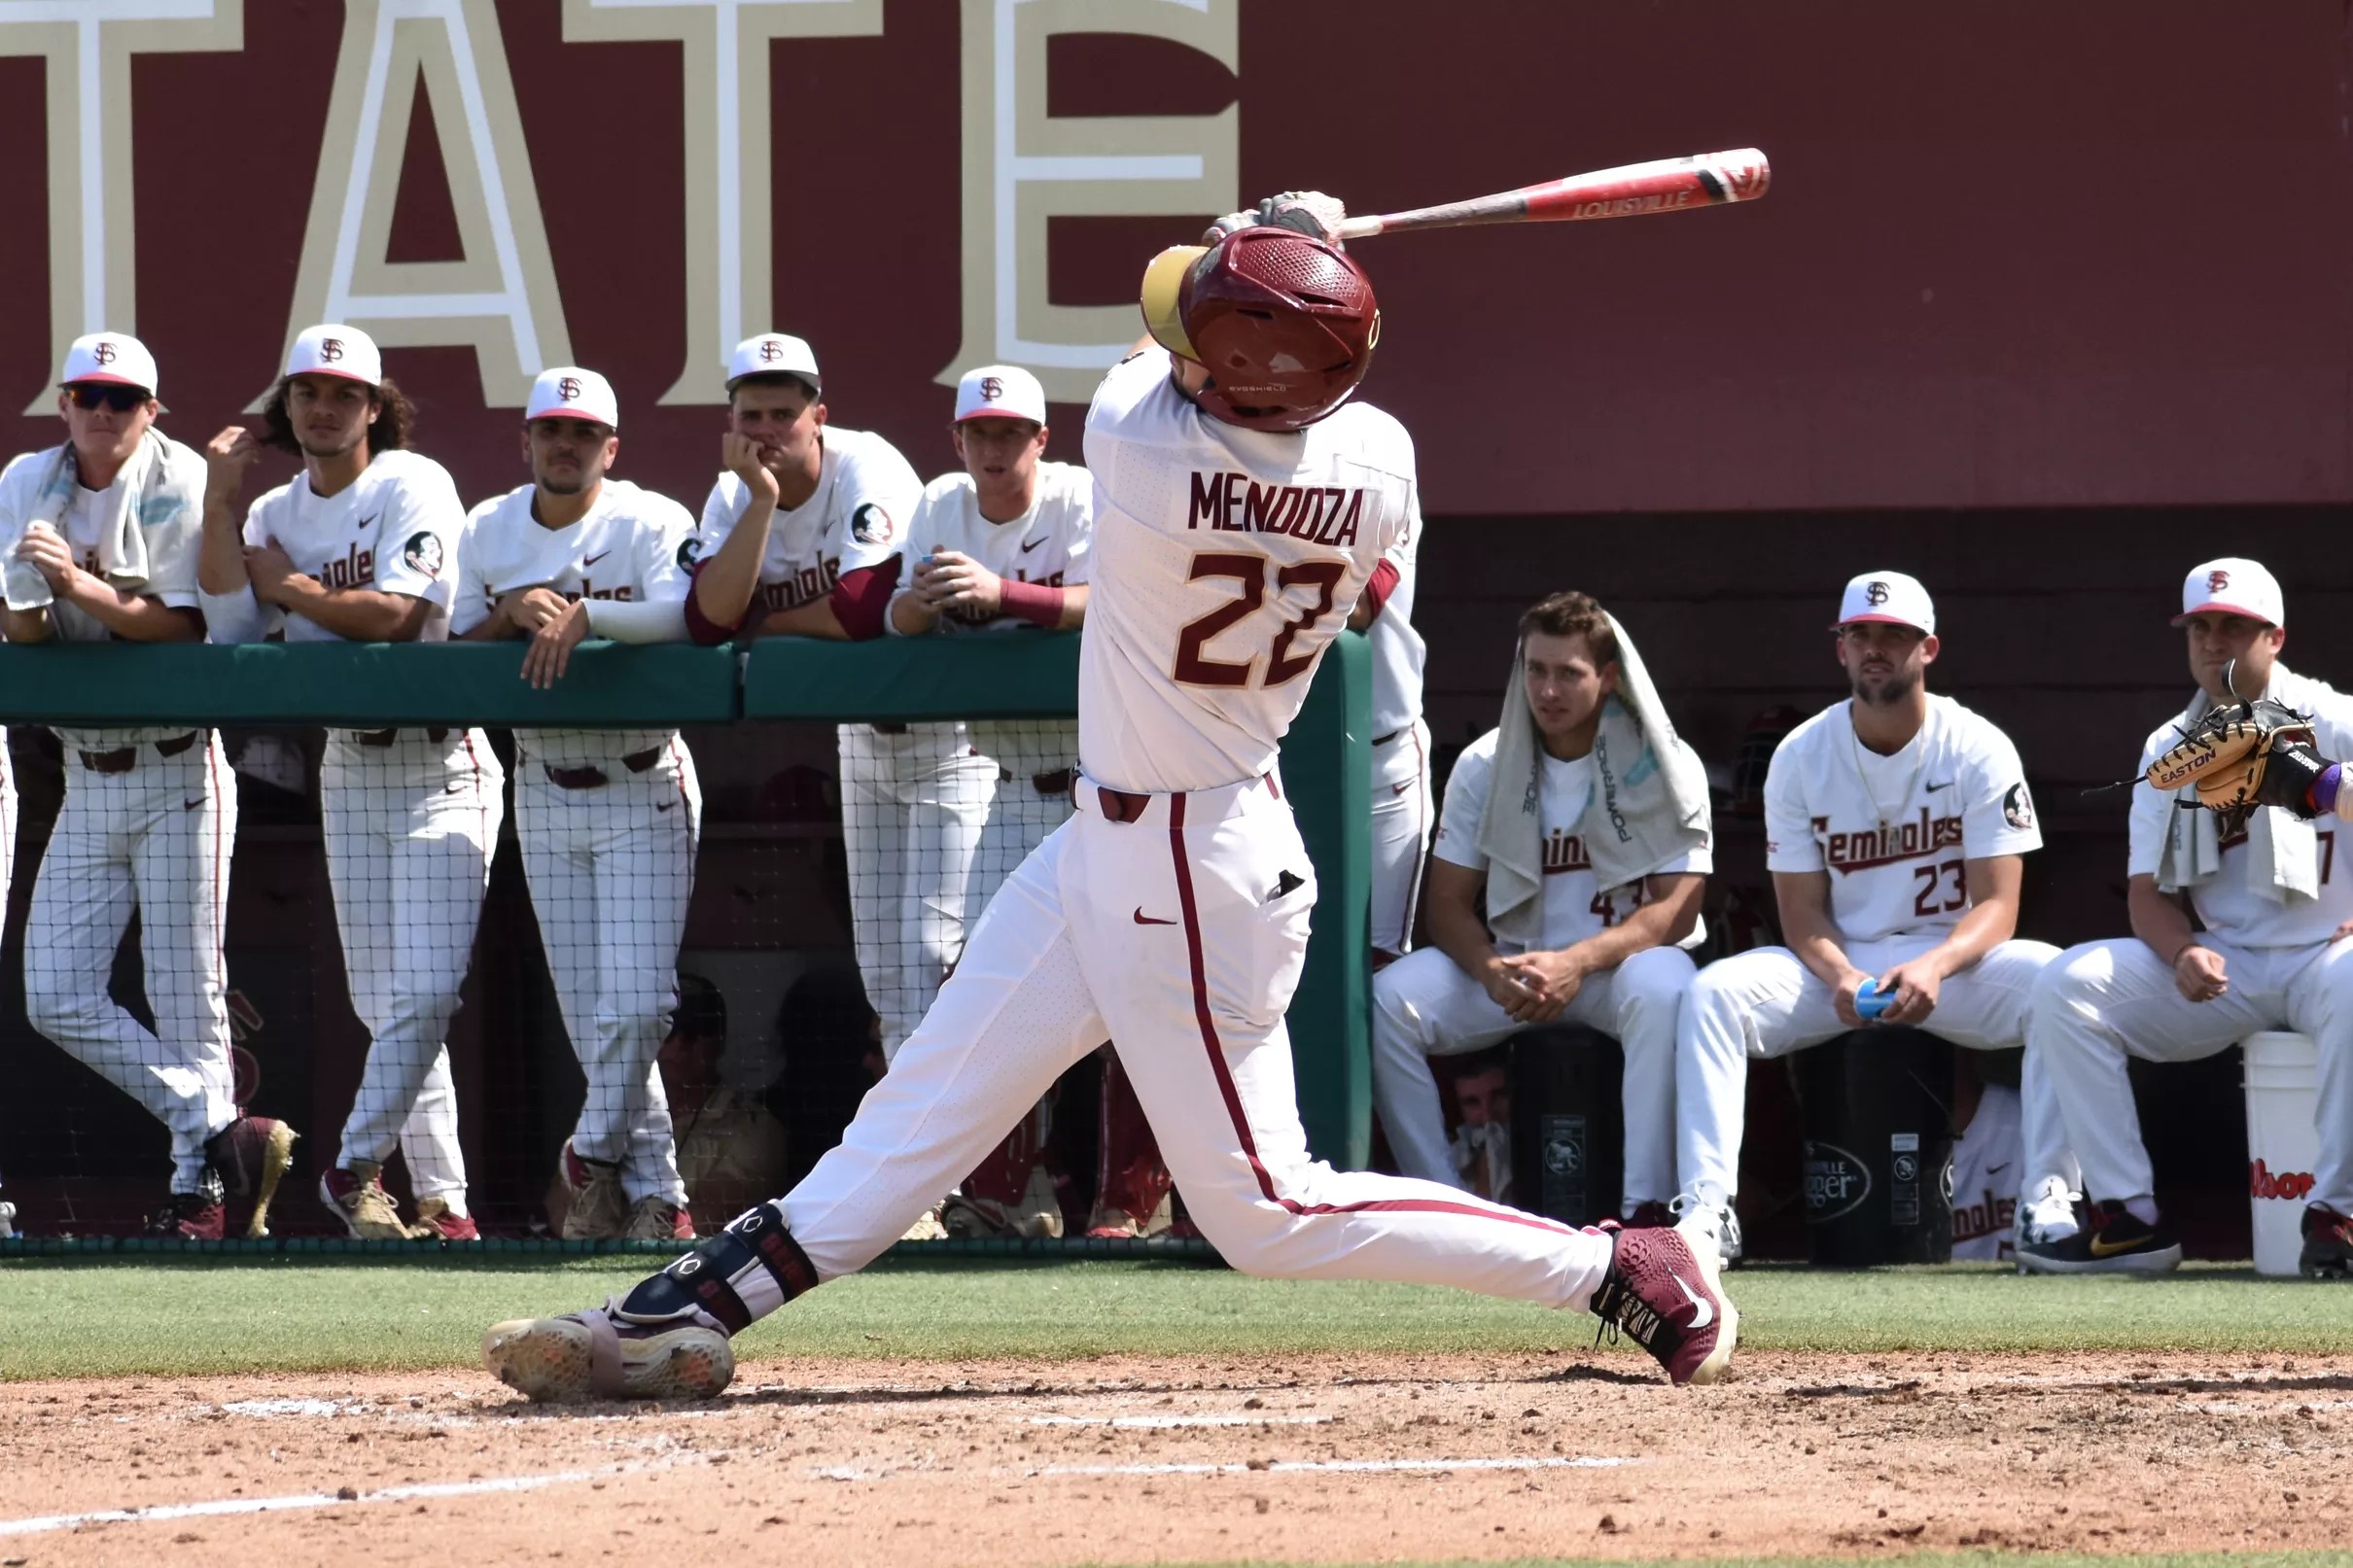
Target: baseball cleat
1665,1290
599,1210
1036,1216
927,1226
658,1219
1650,1215
252,1155
602,1354
2328,1252
2114,1242
355,1194
191,1216
2045,1216
434,1219
1720,1219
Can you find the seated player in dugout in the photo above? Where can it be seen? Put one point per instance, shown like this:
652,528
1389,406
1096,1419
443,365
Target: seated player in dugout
1896,829
99,537
1584,820
2269,951
361,547
801,533
1258,337
608,820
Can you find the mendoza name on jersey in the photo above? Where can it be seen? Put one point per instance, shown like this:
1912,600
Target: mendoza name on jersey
1237,503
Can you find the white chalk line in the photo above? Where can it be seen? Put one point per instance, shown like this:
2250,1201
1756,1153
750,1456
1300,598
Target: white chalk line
1353,1466
221,1505
1153,1423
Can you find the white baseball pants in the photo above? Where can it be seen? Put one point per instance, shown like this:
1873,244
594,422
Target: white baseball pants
1765,1003
913,804
1179,934
1402,819
7,822
1019,814
410,830
611,869
1423,1006
156,839
2104,1000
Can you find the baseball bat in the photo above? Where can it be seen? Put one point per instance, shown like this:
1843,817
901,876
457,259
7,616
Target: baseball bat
1636,190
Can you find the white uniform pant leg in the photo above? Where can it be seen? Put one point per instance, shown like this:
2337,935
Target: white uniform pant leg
1195,1010
2320,1004
1014,1016
555,840
1402,818
947,788
454,849
2094,1004
645,880
1423,1006
429,1139
1639,1004
1986,1007
873,825
1020,815
8,822
360,877
156,839
1759,1003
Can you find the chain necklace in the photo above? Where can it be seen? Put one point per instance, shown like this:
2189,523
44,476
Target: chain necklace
1855,742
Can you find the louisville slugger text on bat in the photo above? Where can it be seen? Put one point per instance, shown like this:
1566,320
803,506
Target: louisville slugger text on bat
1633,191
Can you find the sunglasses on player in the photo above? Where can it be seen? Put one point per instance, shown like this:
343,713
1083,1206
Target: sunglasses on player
114,394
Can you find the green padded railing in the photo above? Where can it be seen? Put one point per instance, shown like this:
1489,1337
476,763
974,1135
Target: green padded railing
1327,760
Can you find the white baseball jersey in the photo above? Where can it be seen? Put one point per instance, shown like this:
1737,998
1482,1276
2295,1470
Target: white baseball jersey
1986,1178
866,493
1894,832
631,545
1575,904
1049,543
394,529
1398,651
2229,902
172,534
1227,560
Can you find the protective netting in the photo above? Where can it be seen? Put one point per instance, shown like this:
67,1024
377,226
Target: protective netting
569,989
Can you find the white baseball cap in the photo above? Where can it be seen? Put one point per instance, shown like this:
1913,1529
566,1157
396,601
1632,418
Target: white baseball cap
109,356
1001,392
568,391
2235,586
773,353
1890,597
333,349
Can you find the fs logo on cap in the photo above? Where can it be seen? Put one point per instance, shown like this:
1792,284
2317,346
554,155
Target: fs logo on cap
992,387
569,389
770,351
104,351
2217,582
330,349
1875,594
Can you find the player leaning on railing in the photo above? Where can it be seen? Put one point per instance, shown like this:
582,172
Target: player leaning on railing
608,818
1242,505
361,547
99,537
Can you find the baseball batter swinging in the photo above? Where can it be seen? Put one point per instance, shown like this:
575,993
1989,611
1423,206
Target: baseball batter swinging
361,547
608,820
99,537
1242,505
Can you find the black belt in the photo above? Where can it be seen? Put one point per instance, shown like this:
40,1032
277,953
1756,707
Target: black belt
1120,806
436,734
597,778
1051,784
123,759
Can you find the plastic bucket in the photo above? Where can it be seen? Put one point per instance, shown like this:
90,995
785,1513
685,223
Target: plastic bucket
1877,1109
2283,1091
1569,1123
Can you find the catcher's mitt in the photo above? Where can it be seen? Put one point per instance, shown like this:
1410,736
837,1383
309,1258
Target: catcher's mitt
2243,755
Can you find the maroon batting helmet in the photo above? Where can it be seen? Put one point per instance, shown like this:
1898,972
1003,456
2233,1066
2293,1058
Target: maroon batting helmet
1285,324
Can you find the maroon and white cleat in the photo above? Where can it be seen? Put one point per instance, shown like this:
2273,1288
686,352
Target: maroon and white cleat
434,1219
1665,1290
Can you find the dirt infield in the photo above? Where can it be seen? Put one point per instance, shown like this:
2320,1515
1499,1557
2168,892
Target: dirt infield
1327,1459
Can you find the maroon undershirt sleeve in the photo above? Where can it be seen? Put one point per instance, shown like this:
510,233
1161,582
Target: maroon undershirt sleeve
862,598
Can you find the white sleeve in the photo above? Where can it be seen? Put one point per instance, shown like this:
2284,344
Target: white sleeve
417,534
922,533
241,618
628,620
1789,841
469,598
1465,809
666,540
1998,816
2152,813
875,496
1078,530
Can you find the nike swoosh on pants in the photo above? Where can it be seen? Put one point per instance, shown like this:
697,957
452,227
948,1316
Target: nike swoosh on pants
1143,919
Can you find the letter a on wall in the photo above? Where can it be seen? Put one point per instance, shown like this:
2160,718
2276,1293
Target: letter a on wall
499,297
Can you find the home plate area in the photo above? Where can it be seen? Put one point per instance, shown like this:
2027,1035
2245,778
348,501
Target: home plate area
1140,1460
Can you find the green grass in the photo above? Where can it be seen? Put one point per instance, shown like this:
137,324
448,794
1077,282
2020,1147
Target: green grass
110,1319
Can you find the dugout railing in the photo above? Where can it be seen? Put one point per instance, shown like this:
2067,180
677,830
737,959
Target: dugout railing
776,701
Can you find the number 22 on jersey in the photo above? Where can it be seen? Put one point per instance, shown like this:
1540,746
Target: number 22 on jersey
1195,667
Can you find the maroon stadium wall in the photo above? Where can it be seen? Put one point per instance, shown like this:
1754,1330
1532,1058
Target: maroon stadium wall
2015,254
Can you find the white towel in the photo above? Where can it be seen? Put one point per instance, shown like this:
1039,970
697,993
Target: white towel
122,540
2285,846
1648,813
